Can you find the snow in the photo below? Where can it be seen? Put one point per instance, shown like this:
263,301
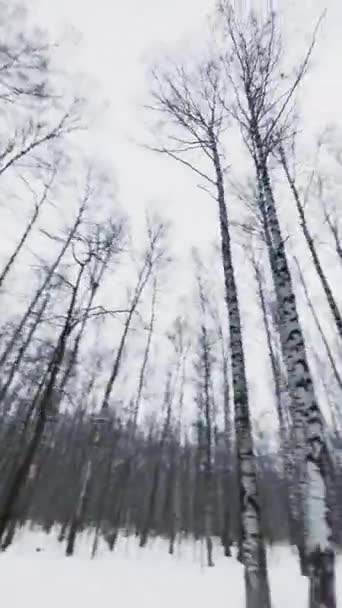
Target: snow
132,577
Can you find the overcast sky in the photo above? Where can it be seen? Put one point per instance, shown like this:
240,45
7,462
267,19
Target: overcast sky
118,37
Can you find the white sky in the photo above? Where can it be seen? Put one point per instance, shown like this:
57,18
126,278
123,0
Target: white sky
117,37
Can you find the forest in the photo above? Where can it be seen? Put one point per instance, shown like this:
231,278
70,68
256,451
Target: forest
129,404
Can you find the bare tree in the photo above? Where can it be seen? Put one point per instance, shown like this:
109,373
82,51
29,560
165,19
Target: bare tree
331,357
330,211
38,115
15,365
80,508
310,242
46,282
43,402
285,427
333,224
37,209
156,471
142,374
262,109
103,242
152,257
189,102
181,344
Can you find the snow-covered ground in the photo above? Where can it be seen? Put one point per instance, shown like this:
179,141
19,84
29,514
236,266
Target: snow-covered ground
132,577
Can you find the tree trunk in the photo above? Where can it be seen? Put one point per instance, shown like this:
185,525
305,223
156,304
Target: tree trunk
79,512
22,350
253,550
284,430
152,496
145,358
143,279
312,450
19,329
43,407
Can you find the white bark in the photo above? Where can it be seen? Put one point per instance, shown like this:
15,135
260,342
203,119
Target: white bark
252,546
318,532
311,449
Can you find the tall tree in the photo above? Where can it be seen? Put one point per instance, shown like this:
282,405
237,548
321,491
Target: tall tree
262,110
285,430
189,102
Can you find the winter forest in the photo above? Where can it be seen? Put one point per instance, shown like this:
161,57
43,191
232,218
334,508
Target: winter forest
172,369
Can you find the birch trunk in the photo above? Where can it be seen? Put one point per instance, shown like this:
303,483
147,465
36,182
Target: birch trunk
252,546
226,536
284,431
311,447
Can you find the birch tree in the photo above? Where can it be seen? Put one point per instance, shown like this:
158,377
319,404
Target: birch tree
285,426
262,108
188,104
